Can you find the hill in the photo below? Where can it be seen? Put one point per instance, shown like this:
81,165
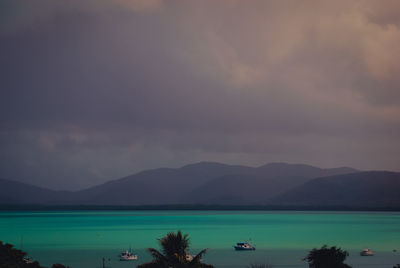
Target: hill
200,183
363,189
13,192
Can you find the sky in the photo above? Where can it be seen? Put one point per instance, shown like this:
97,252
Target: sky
95,90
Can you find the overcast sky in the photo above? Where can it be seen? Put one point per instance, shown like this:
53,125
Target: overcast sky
94,90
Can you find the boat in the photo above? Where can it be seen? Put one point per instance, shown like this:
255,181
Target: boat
244,246
367,252
127,256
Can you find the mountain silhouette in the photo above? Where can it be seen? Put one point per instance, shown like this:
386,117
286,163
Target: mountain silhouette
211,183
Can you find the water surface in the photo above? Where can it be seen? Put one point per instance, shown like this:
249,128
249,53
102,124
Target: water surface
82,238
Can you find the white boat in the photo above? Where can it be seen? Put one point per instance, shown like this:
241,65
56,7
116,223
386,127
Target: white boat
127,256
244,246
367,252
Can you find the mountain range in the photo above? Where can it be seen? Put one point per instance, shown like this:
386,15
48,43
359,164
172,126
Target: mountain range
209,183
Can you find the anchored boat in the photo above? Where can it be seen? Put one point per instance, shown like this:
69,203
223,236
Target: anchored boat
244,246
367,252
127,256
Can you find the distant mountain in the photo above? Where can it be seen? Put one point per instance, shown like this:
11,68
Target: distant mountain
242,189
13,192
362,189
301,170
201,183
158,186
257,184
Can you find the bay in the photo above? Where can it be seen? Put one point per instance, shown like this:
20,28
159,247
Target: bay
82,238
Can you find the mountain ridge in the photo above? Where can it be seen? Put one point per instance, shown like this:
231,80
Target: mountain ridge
209,183
368,188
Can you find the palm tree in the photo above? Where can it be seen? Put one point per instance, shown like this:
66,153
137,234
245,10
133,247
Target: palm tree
327,258
174,252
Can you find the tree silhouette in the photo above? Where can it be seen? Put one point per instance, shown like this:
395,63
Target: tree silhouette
327,258
174,252
11,257
58,265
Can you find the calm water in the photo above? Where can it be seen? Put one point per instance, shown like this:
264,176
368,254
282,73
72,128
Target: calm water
81,239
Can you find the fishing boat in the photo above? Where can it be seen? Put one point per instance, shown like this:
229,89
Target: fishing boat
127,256
244,246
367,252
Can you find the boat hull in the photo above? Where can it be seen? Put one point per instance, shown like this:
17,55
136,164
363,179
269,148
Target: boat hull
366,254
242,248
128,259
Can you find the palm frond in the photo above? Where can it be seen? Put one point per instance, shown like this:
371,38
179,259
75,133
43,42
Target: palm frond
158,257
173,253
197,258
174,245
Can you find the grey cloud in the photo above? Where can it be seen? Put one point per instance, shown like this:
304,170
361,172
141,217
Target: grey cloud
94,90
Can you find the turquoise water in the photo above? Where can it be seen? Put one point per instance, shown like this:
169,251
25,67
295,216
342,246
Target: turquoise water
82,238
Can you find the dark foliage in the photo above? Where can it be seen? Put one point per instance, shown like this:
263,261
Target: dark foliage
174,252
57,265
327,258
11,257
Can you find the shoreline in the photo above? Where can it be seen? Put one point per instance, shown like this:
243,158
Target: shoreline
194,207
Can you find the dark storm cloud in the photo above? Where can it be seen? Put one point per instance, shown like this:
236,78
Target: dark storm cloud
95,90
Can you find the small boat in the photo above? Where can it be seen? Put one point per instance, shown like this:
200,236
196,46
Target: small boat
367,252
244,246
127,256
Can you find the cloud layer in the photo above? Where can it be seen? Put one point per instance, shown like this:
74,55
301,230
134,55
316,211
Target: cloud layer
95,90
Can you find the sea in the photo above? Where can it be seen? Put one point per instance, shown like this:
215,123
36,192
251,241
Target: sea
82,239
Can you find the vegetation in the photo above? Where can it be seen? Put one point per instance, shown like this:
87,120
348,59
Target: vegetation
57,265
11,257
174,253
327,258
